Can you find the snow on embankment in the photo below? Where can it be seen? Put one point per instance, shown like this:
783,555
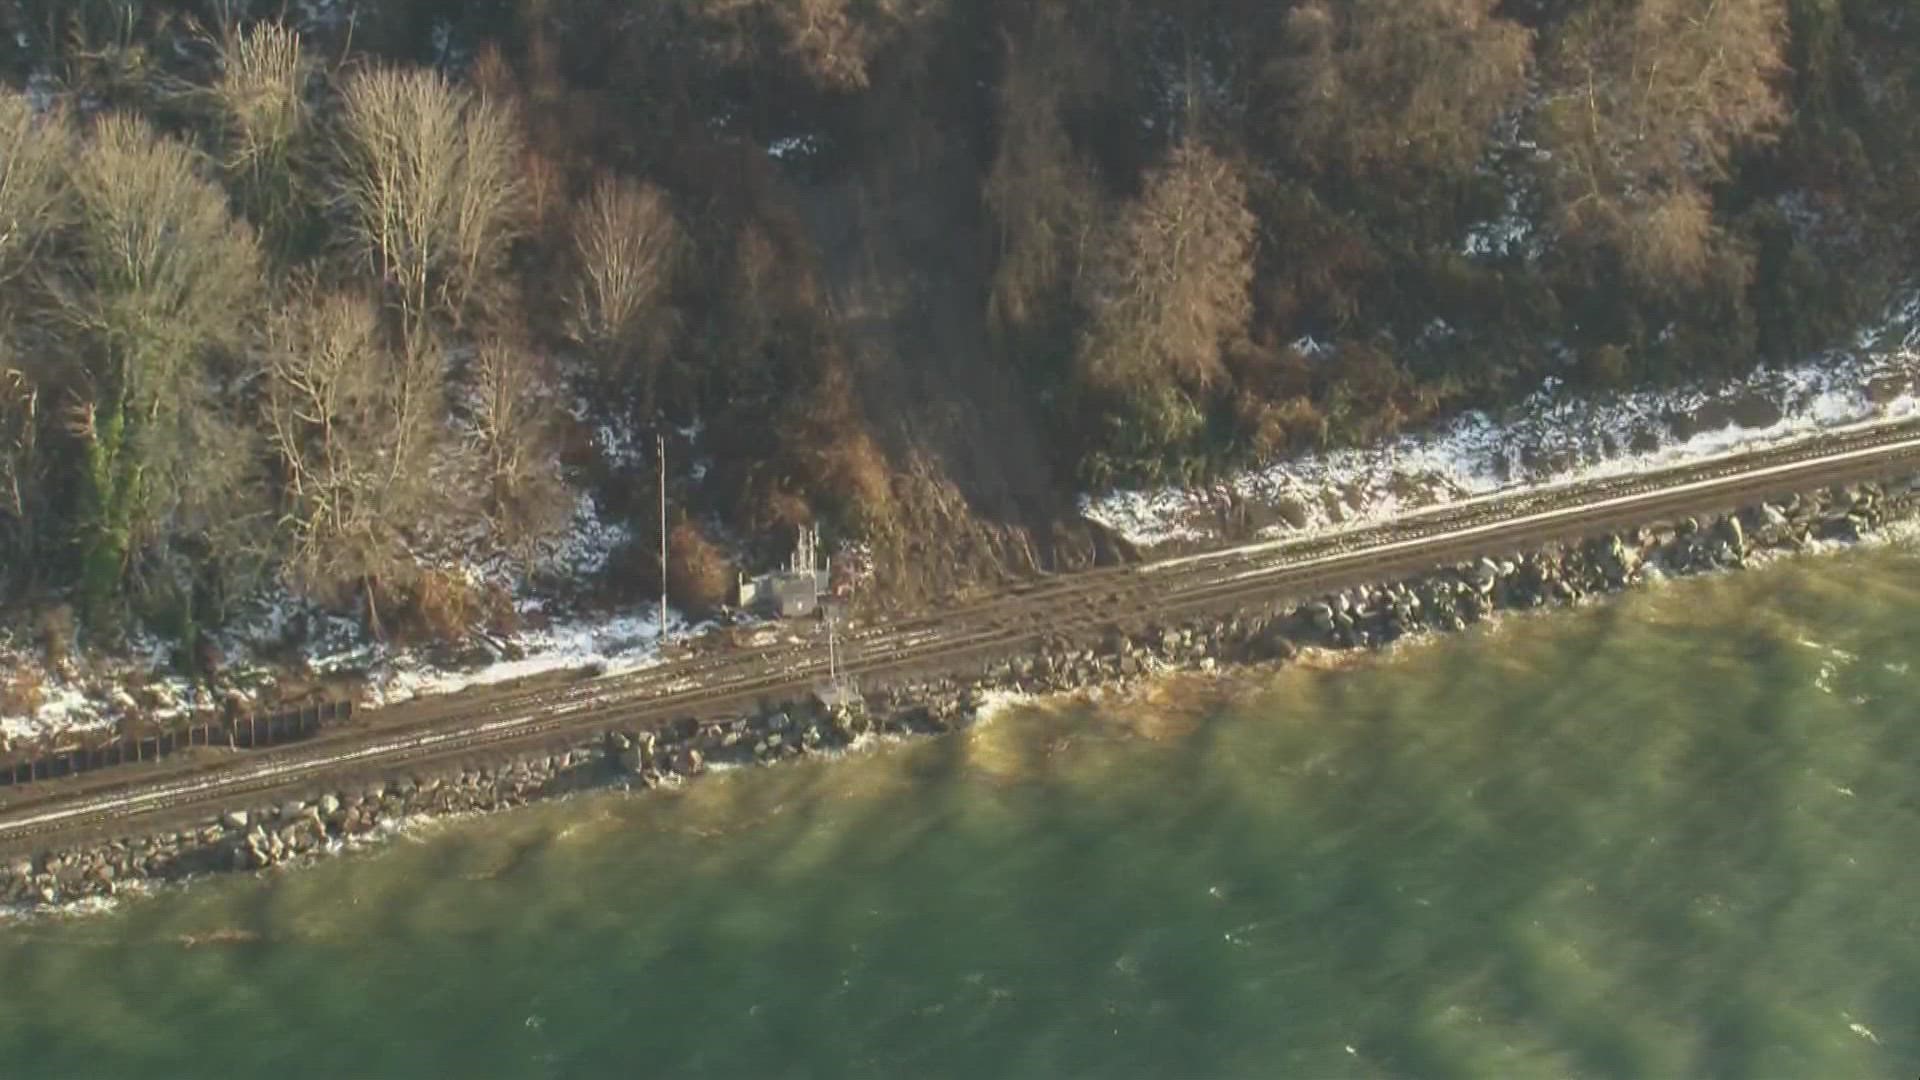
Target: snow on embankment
82,694
1552,437
550,641
275,639
616,644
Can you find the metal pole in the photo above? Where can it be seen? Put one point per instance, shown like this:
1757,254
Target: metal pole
833,660
661,446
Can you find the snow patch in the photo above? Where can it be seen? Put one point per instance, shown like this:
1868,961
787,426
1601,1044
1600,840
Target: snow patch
1306,345
63,708
619,644
274,621
1552,437
794,147
583,549
1509,234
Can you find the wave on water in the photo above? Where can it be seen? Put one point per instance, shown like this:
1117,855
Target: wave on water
86,907
997,703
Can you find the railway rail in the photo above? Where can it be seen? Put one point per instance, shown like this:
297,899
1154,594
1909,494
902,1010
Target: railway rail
421,735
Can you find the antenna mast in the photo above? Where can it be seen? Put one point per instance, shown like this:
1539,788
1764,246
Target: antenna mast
660,446
833,662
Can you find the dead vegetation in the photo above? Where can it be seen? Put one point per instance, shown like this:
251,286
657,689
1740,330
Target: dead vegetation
21,693
700,577
287,303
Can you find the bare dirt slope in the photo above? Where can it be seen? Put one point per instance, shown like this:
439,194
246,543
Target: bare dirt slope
902,249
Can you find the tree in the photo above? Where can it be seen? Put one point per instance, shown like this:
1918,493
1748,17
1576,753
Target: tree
833,41
1165,289
34,154
22,474
1644,104
158,277
514,444
1044,195
347,422
699,576
1167,284
1371,87
626,241
428,178
264,123
110,54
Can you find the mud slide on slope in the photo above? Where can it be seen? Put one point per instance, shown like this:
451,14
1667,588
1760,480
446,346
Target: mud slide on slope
979,493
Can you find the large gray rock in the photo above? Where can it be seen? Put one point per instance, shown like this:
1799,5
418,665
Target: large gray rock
1733,534
1278,646
234,819
1618,562
1485,575
1322,616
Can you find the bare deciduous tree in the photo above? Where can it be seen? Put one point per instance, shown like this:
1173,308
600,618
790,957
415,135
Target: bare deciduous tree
265,119
34,153
514,445
491,202
1043,194
342,419
626,240
1645,103
833,41
829,38
1373,85
159,266
21,472
158,274
1168,283
429,180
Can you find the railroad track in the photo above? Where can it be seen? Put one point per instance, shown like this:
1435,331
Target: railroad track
417,736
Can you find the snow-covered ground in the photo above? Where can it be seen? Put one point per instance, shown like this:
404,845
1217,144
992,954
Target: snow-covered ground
77,698
61,708
1554,436
618,643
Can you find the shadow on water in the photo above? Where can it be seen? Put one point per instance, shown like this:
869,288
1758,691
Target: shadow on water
1663,837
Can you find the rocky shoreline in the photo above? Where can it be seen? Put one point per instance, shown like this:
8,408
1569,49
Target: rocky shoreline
256,837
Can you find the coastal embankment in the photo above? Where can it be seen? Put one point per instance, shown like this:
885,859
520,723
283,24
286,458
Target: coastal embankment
349,811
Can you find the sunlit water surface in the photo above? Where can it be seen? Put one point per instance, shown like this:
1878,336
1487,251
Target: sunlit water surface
1672,836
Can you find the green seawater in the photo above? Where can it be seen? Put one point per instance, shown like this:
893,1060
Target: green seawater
1670,836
